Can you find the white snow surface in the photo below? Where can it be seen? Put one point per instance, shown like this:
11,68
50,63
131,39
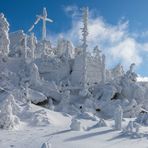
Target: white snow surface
58,134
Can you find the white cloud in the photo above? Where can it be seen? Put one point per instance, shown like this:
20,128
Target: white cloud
142,79
115,41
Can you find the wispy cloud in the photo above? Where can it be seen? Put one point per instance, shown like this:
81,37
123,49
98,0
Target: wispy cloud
71,10
118,44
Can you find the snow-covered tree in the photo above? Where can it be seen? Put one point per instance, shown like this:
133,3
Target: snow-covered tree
8,120
4,36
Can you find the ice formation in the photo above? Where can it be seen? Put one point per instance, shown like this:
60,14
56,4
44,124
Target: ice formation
64,77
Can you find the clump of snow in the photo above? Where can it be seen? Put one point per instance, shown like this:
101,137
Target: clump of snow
75,124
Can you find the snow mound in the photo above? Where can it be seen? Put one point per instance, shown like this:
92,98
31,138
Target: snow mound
40,118
44,117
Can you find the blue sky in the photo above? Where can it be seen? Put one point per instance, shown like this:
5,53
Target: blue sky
20,13
126,19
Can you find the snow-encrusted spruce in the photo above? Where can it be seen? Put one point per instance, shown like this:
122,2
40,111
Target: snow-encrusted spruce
4,36
8,118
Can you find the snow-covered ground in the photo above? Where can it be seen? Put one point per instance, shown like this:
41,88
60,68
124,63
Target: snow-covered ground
59,134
